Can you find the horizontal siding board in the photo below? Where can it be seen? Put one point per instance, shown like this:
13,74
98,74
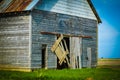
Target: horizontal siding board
14,41
41,22
78,8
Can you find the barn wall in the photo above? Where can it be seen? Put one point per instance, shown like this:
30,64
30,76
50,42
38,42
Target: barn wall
89,28
14,41
40,22
65,24
78,8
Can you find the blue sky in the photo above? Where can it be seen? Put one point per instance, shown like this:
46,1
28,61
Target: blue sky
109,30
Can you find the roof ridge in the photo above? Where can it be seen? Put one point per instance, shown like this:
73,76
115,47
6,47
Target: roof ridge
94,11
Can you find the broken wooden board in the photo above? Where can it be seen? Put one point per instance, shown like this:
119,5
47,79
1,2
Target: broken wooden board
59,50
56,43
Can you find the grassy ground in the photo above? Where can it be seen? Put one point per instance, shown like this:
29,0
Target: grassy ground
83,74
108,69
109,63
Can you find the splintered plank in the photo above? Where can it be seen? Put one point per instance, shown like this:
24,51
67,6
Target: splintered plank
60,50
56,43
58,53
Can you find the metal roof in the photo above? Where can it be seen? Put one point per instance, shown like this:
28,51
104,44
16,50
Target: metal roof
16,5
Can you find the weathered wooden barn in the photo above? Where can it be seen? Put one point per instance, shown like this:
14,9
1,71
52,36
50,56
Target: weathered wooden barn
48,34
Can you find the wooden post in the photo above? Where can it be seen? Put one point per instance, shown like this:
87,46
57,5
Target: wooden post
46,58
80,62
89,57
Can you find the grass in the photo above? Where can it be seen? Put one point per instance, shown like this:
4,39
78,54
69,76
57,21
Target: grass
16,75
109,63
66,74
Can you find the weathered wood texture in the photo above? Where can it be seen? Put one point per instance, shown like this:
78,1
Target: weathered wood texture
75,52
65,35
21,41
65,24
38,24
14,41
61,50
78,8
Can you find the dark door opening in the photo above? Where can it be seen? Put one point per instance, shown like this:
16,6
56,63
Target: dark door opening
64,64
44,55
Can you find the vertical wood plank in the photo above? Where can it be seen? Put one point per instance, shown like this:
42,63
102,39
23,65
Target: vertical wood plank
89,57
75,54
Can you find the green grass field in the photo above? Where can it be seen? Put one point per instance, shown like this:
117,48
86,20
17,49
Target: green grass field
108,69
66,74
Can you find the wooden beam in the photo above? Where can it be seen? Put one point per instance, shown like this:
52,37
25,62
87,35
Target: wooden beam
65,35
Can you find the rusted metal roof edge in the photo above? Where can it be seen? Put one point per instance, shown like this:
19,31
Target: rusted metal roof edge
5,5
30,6
94,11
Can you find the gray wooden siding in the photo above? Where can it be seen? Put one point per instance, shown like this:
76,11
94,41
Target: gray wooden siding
14,41
90,28
65,24
40,22
78,8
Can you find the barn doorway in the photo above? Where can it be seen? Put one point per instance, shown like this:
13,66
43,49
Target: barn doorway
66,43
44,55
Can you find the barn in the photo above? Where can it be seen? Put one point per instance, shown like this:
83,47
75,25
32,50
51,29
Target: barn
53,34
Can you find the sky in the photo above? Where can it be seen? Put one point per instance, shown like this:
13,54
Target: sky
109,29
